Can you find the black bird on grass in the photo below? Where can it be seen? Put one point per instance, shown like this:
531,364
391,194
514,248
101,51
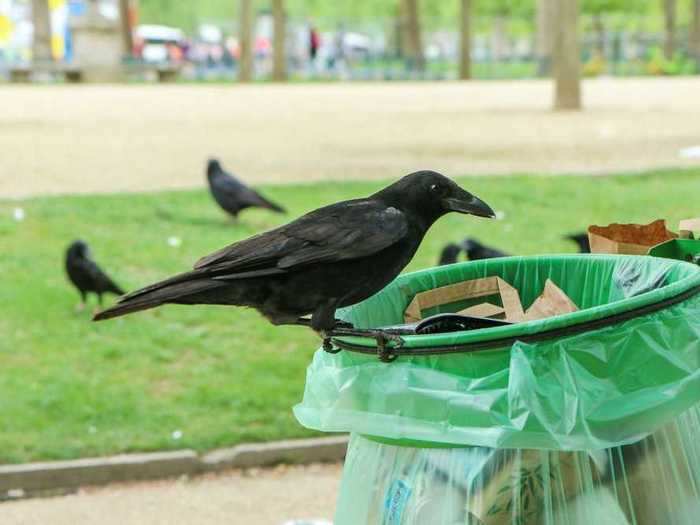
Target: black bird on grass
581,239
84,273
329,258
450,254
475,250
232,195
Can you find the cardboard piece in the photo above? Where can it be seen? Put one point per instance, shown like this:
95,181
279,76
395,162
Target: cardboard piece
475,288
553,301
484,310
689,228
630,239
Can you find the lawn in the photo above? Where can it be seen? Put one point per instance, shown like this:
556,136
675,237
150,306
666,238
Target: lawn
204,377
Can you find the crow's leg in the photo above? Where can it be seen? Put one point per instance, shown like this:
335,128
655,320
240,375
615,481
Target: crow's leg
382,337
81,305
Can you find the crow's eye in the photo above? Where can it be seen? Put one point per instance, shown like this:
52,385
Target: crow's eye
435,188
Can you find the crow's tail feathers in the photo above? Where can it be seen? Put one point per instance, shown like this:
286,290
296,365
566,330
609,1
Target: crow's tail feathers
265,203
178,289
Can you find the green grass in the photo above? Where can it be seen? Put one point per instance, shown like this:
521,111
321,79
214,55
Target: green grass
71,388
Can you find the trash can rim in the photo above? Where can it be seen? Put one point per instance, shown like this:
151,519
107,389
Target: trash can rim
569,324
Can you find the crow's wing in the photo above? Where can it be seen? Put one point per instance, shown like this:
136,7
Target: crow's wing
244,196
99,278
343,231
228,185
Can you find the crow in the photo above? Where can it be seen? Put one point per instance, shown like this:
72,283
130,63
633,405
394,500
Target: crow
582,240
232,195
85,275
475,250
449,254
330,258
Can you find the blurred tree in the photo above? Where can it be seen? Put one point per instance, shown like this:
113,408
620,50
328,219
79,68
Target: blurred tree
694,38
465,40
412,44
500,11
597,9
544,37
125,25
279,56
245,64
566,58
669,8
41,44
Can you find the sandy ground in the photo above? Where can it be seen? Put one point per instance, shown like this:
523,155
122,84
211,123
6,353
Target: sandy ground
254,497
62,139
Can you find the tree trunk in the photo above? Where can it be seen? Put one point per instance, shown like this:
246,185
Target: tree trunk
125,26
413,44
694,43
245,69
279,60
544,37
465,40
566,59
500,37
41,45
669,7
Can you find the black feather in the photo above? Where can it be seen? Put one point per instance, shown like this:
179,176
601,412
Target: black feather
329,258
85,274
232,195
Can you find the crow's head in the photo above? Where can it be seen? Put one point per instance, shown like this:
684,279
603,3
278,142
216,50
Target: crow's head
431,195
582,240
79,250
450,254
213,167
469,245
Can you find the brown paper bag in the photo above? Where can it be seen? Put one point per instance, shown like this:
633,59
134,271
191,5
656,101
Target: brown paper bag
475,288
631,239
553,301
484,310
689,228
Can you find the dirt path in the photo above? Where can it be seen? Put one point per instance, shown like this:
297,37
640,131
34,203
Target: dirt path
62,139
257,497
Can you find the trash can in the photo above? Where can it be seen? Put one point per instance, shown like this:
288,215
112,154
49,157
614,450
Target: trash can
587,417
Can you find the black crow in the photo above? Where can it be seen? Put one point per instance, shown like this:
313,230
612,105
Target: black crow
475,250
449,254
84,273
582,240
329,258
231,194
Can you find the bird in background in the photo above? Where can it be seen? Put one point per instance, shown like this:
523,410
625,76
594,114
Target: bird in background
86,275
232,195
449,254
581,239
475,250
332,257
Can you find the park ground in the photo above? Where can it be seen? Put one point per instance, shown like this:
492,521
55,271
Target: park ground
252,497
207,377
66,139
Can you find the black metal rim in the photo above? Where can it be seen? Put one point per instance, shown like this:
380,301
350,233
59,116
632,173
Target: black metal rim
575,329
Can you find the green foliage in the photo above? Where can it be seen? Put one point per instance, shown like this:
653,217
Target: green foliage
72,388
597,7
658,64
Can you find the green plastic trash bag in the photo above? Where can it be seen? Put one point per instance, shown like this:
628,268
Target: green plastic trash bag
652,482
609,374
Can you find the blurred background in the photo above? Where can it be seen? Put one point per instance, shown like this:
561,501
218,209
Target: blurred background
558,113
368,40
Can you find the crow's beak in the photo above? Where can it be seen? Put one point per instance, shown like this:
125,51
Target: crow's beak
469,204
